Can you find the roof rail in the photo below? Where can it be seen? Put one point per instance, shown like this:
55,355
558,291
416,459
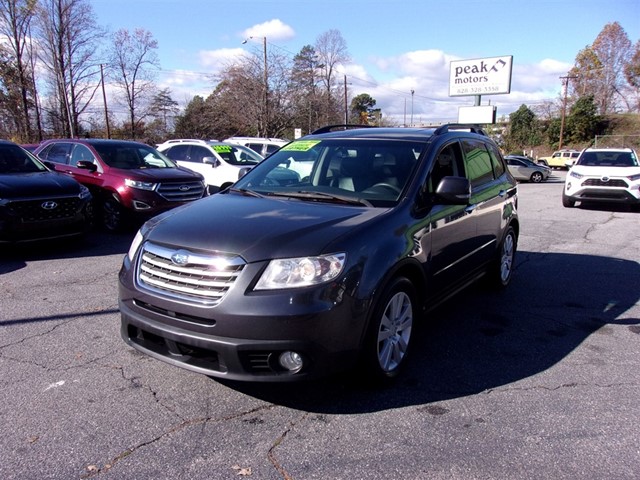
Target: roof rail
194,140
459,126
330,128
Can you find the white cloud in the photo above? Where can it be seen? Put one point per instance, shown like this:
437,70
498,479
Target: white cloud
426,72
218,59
273,30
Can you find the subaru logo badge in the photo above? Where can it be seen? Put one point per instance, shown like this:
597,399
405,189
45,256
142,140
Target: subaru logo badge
180,258
50,205
184,188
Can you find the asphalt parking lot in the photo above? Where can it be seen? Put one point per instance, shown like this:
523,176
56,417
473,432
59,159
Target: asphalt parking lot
540,381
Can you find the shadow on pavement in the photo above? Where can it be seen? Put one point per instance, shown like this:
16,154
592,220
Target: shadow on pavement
94,243
483,340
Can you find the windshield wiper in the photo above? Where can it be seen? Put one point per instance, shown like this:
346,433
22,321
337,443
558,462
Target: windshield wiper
307,195
246,193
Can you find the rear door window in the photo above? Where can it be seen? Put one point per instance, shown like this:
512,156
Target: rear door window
477,162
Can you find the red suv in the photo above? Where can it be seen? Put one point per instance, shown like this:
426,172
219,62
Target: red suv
127,179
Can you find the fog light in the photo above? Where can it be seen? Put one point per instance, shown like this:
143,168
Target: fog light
291,361
138,205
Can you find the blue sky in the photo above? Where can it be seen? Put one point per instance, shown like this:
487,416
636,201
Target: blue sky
395,46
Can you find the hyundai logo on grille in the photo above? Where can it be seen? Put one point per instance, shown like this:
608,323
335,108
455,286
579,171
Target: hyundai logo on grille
605,179
184,188
180,258
50,205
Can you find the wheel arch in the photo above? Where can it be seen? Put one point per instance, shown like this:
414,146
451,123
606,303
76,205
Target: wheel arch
409,269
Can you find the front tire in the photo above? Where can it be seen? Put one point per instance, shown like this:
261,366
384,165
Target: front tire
536,177
112,215
567,202
388,338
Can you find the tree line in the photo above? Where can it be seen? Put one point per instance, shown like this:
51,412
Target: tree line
56,61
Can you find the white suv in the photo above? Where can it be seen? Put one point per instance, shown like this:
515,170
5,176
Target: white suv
218,162
264,146
604,175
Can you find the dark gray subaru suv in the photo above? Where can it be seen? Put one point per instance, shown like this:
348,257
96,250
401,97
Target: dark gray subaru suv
322,257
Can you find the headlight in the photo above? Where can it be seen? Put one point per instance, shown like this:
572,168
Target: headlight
634,178
301,272
137,240
575,174
140,185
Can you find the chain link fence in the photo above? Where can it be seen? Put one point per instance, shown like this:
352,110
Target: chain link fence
617,141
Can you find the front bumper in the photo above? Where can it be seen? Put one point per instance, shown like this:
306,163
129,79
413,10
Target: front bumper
243,336
609,195
593,189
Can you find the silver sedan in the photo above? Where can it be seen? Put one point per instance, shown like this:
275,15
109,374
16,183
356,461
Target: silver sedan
524,169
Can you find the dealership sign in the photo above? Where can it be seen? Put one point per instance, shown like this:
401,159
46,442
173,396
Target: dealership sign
483,76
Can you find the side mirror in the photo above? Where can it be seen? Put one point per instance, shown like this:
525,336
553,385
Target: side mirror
49,164
211,161
243,171
454,190
87,165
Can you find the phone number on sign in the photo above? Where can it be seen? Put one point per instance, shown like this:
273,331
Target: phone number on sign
477,90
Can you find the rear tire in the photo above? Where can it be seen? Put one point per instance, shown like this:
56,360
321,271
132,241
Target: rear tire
502,270
388,338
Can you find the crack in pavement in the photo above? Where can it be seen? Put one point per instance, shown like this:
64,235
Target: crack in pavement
93,470
271,453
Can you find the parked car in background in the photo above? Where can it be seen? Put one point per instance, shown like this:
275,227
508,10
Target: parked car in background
604,175
560,159
264,146
37,203
295,275
30,147
525,169
128,180
218,162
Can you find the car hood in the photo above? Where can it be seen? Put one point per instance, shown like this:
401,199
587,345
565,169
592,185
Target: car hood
37,184
259,228
161,174
608,171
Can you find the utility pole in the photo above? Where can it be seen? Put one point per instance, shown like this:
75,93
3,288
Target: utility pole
266,89
104,98
412,92
565,84
265,126
346,106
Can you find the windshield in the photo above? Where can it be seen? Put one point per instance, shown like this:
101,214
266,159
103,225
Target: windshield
363,171
14,159
608,159
237,154
132,156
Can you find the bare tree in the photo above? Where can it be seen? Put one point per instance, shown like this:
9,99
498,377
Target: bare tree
69,40
599,68
632,74
331,49
15,20
134,63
